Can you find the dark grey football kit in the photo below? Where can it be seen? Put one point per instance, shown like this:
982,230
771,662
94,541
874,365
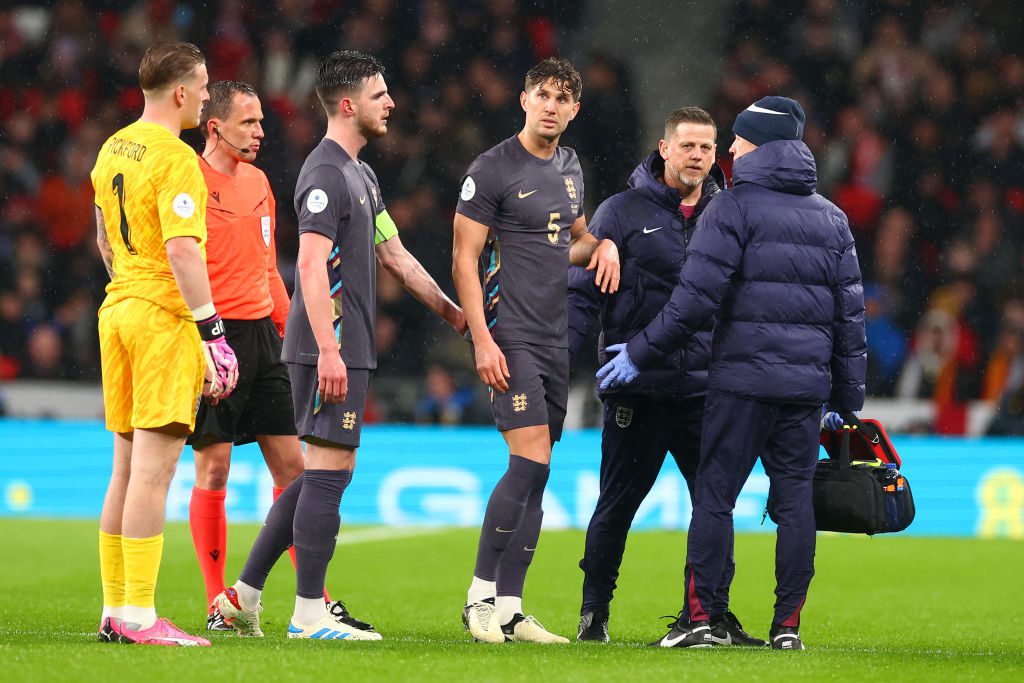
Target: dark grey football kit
529,204
538,388
339,198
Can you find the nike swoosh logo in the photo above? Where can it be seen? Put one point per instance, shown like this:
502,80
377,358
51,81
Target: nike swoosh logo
648,231
529,550
761,110
362,200
671,642
504,531
722,641
527,194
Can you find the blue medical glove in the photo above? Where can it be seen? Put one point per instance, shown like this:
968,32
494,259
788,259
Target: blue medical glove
619,370
830,420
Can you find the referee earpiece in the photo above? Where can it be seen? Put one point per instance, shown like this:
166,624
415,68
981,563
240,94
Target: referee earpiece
216,131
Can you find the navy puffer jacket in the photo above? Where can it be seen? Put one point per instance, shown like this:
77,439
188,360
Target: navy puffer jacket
778,265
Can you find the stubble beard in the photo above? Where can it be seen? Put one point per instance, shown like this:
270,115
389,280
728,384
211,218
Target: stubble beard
546,134
372,128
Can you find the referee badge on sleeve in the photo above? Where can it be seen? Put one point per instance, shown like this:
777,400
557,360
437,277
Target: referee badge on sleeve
265,229
623,416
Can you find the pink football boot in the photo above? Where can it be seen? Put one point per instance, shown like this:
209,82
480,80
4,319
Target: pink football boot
163,632
110,631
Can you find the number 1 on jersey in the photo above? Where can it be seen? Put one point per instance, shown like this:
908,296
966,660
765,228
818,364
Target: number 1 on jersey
118,186
553,227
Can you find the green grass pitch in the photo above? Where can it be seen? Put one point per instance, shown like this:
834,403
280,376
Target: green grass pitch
882,609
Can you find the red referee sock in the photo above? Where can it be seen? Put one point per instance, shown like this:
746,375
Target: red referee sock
209,525
291,550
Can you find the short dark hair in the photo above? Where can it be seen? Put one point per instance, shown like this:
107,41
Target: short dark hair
341,73
168,64
222,100
688,115
561,72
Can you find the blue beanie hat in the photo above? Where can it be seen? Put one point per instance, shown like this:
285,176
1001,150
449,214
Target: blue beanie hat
770,118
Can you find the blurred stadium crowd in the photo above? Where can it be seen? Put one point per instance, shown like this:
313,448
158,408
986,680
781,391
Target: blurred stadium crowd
916,119
915,115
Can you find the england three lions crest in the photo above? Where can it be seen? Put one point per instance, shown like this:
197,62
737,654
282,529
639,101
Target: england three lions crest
570,188
623,416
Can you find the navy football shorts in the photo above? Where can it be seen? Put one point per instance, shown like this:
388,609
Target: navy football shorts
334,423
538,388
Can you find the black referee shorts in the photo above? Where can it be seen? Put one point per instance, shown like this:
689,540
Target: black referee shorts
261,404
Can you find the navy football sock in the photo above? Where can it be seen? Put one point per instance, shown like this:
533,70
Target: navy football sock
519,554
316,528
505,510
274,538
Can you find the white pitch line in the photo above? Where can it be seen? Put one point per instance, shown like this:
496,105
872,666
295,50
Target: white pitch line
386,534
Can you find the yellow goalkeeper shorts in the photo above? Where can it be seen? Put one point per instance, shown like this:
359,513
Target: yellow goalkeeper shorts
153,366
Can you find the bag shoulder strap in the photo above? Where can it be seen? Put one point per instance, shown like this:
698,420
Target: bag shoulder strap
870,432
844,449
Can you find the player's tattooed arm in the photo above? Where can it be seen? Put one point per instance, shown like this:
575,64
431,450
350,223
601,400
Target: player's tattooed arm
411,274
602,256
104,243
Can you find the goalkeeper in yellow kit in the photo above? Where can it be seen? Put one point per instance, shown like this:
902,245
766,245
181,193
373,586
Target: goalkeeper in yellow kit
161,341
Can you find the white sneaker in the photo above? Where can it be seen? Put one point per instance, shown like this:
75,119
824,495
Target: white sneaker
340,614
483,623
245,622
330,628
528,630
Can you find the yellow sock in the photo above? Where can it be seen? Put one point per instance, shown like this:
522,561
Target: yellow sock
141,568
111,570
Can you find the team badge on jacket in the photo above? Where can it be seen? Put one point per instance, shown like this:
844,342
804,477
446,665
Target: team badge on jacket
623,416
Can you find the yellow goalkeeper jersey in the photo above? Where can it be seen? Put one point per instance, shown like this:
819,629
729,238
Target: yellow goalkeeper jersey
149,188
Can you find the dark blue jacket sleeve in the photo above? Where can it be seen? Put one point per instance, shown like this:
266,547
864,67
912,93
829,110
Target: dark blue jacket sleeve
713,256
849,342
585,301
585,298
